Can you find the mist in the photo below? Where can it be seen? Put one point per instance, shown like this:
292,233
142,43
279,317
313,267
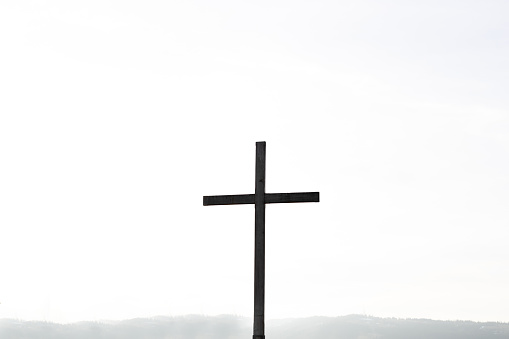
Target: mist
234,327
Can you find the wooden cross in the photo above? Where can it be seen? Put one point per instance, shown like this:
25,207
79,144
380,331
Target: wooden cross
259,199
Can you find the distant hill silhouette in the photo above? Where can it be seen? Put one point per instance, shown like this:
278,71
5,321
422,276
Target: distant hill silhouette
230,327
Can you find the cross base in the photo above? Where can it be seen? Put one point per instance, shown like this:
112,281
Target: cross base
258,336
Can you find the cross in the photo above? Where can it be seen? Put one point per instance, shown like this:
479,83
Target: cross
259,199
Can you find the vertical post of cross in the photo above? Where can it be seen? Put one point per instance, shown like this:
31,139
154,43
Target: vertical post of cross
259,271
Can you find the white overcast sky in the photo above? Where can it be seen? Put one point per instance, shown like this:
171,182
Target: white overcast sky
116,117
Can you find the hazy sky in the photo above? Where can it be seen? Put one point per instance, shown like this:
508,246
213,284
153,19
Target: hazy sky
116,117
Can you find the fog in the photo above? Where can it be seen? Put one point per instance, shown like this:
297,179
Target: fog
232,327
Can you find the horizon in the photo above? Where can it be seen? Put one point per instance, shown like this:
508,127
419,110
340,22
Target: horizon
230,327
247,318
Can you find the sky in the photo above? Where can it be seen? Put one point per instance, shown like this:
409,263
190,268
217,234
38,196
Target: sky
117,117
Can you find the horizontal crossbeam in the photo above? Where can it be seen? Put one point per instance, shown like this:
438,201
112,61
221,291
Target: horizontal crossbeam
270,198
228,199
277,198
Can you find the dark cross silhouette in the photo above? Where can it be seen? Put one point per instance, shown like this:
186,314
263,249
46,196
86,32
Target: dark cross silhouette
259,199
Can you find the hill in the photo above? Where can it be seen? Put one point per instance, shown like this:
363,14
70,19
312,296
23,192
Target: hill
229,327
